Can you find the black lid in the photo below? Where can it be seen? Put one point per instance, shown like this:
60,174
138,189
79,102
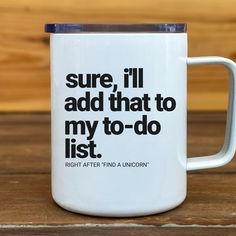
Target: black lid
116,28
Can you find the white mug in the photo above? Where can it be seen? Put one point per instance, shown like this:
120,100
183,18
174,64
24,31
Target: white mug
118,106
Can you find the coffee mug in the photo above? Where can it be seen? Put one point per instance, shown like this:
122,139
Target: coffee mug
118,115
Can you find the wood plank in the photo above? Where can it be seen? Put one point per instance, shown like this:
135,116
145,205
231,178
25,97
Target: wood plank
25,143
119,231
205,137
26,200
24,49
27,207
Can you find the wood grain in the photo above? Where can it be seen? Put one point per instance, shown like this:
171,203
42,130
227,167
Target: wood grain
24,47
27,207
118,231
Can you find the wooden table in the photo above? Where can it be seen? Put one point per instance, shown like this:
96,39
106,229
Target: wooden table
27,206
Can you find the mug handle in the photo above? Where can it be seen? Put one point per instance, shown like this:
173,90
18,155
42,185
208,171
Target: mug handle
227,151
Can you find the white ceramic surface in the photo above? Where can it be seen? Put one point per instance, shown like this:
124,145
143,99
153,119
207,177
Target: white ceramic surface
157,180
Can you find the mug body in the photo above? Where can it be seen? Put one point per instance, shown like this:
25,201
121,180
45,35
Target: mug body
118,106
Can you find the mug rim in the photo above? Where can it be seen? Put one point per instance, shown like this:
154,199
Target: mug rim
117,28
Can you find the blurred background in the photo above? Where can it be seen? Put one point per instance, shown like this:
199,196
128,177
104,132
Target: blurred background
24,47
